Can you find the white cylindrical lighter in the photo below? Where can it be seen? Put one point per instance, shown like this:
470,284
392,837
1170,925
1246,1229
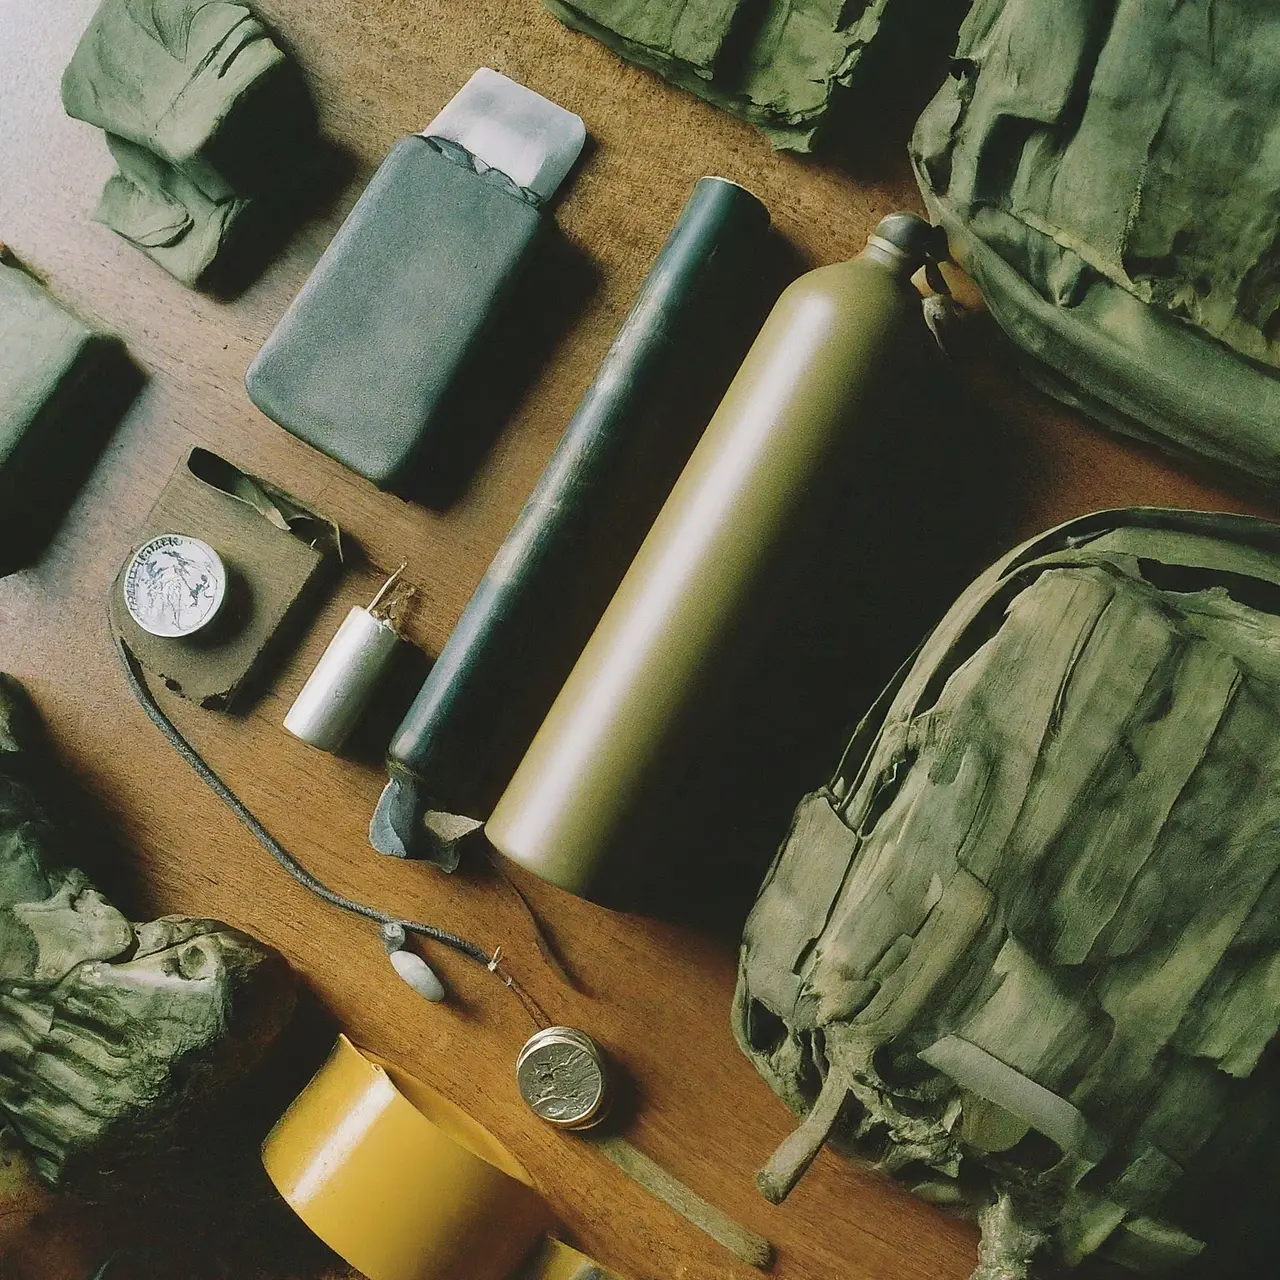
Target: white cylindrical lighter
348,673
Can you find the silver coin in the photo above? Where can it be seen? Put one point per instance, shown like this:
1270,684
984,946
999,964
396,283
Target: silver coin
561,1075
174,585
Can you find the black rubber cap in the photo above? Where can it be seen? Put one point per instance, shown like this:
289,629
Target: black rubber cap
910,233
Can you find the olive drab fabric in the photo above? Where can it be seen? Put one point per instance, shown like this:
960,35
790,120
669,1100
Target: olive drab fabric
203,113
114,1035
782,66
1023,951
1109,175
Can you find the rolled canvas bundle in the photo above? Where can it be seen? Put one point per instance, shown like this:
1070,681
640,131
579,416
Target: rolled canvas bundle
1022,950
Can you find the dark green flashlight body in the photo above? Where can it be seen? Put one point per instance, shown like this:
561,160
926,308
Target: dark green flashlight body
487,692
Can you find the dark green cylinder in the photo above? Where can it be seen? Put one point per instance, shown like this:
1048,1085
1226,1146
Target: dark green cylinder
495,678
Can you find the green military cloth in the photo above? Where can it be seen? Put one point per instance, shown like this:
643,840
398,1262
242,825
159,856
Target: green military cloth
1109,174
780,65
114,1035
1023,950
50,367
203,113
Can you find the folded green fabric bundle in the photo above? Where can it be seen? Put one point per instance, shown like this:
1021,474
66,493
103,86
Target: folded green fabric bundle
50,367
1109,174
202,112
780,65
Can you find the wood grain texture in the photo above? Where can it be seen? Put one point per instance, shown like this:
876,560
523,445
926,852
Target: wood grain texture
659,993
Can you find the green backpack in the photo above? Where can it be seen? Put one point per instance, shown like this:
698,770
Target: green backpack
1109,176
1023,951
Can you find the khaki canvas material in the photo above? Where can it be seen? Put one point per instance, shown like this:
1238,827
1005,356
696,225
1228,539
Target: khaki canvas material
783,66
1109,175
202,113
1021,951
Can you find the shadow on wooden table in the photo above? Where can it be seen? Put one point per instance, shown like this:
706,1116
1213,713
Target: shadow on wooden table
898,75
294,174
91,402
309,192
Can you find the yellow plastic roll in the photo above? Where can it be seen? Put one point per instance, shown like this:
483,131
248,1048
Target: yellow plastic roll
406,1186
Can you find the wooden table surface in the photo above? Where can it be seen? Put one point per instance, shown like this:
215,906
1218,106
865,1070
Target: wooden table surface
659,991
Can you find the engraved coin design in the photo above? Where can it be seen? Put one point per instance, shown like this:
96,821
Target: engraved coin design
561,1075
174,585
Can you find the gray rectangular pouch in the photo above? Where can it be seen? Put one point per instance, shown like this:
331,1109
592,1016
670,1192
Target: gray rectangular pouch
362,362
